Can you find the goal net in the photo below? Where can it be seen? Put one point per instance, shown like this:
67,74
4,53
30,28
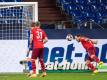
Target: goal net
15,19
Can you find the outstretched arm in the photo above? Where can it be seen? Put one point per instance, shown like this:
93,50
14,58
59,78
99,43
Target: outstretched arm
94,41
90,40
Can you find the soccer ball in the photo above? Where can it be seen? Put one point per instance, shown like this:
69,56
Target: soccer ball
69,37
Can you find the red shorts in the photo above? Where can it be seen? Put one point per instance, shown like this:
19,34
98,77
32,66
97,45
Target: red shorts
91,51
37,53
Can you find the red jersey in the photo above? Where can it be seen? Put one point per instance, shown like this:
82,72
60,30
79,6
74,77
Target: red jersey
87,44
38,37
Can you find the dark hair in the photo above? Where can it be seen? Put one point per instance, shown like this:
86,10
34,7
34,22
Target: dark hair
78,35
33,24
37,23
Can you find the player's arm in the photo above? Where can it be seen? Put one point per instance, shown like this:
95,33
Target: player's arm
31,39
30,45
94,41
90,40
45,40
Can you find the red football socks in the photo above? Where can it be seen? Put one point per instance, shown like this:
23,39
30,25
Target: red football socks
91,66
96,59
42,65
33,66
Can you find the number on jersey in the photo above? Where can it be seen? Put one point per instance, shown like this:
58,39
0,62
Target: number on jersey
39,35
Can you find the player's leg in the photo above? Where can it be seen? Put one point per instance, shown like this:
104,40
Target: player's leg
92,53
100,63
34,57
41,55
30,65
90,65
95,58
30,68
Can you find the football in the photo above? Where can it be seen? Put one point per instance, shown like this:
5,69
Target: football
69,37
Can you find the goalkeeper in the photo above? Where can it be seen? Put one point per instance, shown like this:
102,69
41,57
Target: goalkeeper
28,58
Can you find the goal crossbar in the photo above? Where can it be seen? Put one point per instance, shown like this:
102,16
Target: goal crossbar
18,4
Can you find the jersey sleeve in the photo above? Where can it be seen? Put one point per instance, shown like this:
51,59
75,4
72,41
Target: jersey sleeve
44,35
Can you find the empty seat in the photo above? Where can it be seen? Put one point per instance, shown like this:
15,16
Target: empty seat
103,13
93,8
102,7
79,1
73,7
75,13
80,19
61,2
86,10
66,8
66,1
84,7
104,1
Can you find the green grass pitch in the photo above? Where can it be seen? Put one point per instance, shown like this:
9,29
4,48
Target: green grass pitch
57,76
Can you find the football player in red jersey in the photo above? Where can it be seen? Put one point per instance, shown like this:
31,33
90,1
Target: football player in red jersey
39,38
88,44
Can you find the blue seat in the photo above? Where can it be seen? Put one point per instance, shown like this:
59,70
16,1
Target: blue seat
87,7
91,16
94,1
85,10
84,7
62,2
73,7
66,8
98,15
103,13
79,1
101,7
66,1
80,19
93,8
75,13
104,1
98,20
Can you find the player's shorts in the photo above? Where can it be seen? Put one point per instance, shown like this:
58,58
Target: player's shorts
37,53
90,51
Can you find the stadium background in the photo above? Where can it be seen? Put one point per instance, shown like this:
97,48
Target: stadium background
58,18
